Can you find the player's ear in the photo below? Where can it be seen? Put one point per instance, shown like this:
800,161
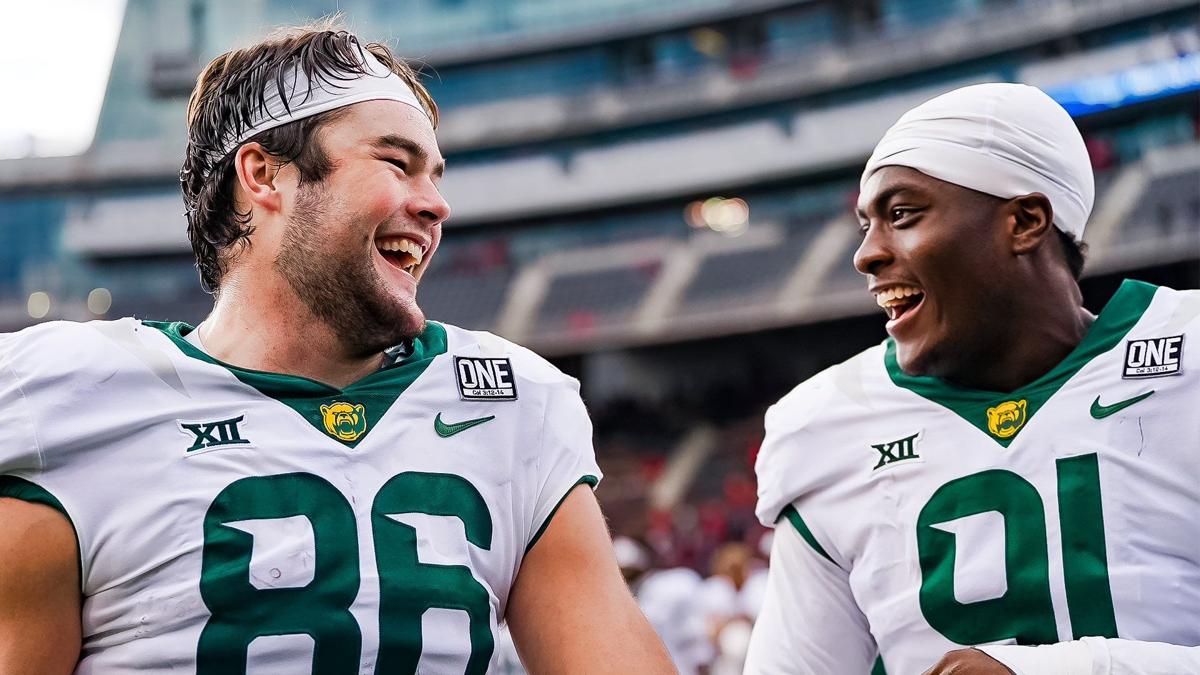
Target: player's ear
1031,220
257,171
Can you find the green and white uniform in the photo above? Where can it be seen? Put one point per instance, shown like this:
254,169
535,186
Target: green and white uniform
233,521
914,517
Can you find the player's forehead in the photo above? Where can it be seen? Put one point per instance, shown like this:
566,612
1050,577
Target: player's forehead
890,181
364,124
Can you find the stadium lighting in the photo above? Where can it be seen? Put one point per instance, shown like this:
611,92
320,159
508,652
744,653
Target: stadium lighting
38,304
730,217
99,301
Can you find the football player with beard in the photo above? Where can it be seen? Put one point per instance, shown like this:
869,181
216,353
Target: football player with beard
1007,472
315,478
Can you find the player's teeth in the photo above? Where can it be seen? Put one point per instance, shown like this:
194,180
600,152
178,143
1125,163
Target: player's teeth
893,295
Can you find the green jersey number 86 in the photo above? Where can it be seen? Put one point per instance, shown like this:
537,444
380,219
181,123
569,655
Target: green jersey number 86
241,612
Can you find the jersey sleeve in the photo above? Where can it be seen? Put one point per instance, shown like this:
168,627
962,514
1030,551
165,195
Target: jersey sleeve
19,451
790,464
566,458
809,622
1098,656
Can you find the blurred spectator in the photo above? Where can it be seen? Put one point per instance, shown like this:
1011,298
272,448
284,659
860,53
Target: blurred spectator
729,600
670,600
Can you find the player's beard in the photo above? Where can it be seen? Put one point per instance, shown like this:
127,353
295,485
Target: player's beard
341,288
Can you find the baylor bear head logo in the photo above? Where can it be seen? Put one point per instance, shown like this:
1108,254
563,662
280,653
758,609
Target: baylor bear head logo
343,421
1007,418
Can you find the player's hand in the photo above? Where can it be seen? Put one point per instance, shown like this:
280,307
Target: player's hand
968,662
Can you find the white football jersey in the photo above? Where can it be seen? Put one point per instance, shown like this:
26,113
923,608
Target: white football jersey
937,516
235,521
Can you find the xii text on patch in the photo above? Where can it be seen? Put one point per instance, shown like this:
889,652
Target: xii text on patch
214,434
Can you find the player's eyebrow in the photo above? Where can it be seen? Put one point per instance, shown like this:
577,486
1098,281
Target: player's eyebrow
883,197
398,142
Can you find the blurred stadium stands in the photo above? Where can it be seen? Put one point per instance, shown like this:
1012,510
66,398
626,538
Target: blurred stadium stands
586,142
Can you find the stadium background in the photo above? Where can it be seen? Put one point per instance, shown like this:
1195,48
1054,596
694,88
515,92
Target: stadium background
655,195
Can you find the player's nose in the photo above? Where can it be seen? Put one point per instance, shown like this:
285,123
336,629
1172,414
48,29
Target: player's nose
427,205
873,253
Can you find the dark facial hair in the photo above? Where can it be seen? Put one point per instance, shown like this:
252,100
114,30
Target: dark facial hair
341,288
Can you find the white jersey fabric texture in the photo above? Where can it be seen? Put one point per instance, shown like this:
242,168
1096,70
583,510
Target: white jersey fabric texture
235,521
913,518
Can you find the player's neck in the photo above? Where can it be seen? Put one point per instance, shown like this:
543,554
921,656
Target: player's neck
269,329
1043,332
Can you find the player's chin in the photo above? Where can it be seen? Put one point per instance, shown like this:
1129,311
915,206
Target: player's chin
403,314
407,317
916,356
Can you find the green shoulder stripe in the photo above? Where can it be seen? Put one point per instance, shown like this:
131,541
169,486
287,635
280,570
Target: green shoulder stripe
797,522
28,491
592,482
1001,416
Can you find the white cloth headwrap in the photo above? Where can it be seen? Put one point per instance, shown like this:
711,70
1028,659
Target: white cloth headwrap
305,98
1005,140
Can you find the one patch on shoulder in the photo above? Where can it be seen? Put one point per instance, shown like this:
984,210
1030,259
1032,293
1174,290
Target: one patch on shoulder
1153,357
485,378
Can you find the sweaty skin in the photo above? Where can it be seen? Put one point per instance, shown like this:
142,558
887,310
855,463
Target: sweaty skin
968,662
39,590
1000,307
570,610
260,320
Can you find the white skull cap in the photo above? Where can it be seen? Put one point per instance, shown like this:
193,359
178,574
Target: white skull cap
1005,140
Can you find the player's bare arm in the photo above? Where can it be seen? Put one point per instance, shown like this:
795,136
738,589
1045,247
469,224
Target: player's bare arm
39,590
968,662
570,611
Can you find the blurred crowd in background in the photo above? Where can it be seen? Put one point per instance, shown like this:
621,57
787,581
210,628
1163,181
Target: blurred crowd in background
656,196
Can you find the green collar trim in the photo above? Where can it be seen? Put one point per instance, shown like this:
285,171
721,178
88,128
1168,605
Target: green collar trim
346,415
1001,416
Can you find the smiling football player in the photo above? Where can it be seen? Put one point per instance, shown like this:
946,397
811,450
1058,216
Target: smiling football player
1006,472
315,479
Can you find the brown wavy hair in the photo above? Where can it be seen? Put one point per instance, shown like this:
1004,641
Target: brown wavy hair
230,93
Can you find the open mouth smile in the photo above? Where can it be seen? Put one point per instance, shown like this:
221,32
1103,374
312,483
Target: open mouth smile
899,302
401,252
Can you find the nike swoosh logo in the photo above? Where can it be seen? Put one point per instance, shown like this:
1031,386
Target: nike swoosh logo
1102,411
447,430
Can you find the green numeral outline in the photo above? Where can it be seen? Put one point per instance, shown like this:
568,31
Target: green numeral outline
1025,612
408,587
321,609
1085,561
240,612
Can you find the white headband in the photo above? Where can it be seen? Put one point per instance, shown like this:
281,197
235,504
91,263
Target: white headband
1005,140
306,98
